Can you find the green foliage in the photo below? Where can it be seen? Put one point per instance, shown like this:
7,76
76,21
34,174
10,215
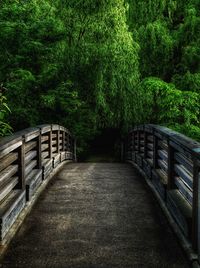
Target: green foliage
156,49
93,64
70,62
162,103
5,128
191,131
169,37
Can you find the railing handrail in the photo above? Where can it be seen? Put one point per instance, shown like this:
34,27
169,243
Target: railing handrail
181,139
171,161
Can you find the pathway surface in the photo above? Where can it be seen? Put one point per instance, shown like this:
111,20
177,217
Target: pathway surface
95,215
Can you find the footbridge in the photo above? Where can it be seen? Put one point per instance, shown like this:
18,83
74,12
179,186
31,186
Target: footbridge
142,212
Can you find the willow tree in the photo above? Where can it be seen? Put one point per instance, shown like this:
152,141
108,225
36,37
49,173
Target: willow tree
102,57
168,34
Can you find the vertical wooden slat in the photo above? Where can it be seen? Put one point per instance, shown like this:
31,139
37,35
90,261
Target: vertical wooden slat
155,151
21,164
67,141
39,151
63,141
138,141
50,144
196,208
58,142
70,143
170,168
145,144
134,140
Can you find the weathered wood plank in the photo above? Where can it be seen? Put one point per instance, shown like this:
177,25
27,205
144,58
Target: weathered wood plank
8,187
54,142
150,146
44,138
10,148
184,189
181,210
45,155
29,167
54,149
162,176
55,127
45,146
150,138
163,165
30,145
163,155
150,154
8,160
29,156
47,167
8,173
32,135
33,181
150,161
45,128
10,209
9,142
163,144
54,135
184,174
183,160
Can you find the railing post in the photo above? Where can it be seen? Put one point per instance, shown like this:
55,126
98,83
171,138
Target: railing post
39,151
155,151
138,141
196,208
21,165
145,144
67,142
58,141
63,141
133,140
50,143
170,167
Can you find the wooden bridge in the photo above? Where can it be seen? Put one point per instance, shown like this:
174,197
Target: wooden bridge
144,213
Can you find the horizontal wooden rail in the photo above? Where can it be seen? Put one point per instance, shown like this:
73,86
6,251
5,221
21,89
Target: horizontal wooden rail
26,159
172,162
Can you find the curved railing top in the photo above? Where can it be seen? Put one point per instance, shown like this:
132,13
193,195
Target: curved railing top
28,134
31,132
180,139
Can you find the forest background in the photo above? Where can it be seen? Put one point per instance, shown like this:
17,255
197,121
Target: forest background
96,64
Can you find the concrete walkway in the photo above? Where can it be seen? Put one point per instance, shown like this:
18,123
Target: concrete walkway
95,215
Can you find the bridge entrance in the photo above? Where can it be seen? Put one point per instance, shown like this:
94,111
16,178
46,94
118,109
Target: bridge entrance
105,147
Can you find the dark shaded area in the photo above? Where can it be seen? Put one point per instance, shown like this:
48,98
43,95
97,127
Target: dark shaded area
105,147
95,216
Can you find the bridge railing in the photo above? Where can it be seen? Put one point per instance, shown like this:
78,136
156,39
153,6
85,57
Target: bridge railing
26,160
172,162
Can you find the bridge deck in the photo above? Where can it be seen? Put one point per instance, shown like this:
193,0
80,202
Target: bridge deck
95,215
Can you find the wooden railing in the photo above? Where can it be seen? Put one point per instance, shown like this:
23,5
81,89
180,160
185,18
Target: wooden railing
171,161
27,158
